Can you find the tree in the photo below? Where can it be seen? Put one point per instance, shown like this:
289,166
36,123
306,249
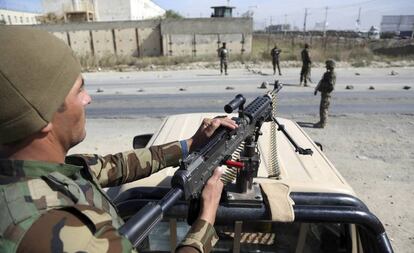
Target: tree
51,18
172,14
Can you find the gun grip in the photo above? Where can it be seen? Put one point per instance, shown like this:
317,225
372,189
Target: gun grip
193,210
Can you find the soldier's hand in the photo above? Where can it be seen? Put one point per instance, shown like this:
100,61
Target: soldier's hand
315,92
210,197
206,130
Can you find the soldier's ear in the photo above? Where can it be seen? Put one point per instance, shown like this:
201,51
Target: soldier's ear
46,129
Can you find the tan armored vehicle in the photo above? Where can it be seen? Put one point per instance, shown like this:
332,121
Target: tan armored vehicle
296,201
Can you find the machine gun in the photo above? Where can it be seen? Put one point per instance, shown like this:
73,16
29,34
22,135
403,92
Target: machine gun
189,180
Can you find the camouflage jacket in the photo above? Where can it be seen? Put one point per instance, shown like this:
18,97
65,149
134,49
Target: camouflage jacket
274,53
223,53
48,207
327,83
305,56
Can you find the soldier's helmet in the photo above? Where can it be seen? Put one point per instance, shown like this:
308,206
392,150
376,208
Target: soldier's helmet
330,64
306,45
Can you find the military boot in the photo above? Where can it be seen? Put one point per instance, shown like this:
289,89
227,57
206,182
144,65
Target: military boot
319,125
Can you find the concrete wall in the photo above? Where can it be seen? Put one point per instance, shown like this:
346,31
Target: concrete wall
188,37
203,36
80,42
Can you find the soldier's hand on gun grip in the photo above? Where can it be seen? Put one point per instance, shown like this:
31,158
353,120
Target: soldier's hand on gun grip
210,197
206,130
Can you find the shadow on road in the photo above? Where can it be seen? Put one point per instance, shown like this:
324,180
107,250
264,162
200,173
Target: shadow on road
209,75
290,84
306,124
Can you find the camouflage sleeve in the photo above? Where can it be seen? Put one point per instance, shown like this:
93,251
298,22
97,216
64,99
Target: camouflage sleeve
72,230
327,83
201,238
120,168
330,80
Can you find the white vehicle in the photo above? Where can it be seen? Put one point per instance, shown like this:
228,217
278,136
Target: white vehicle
316,209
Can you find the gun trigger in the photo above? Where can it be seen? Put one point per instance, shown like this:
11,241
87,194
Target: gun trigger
231,163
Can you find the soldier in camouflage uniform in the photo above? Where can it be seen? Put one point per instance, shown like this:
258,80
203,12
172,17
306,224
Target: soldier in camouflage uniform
53,203
274,53
326,85
306,66
223,53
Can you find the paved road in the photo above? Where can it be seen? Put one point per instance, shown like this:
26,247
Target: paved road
112,106
138,94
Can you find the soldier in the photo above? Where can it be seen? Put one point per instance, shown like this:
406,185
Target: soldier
223,53
306,66
275,52
50,202
326,85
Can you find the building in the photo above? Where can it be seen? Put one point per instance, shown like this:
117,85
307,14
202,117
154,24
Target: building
111,10
222,11
103,10
401,25
278,28
16,13
71,10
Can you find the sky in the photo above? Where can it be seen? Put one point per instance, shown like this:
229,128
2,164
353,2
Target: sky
341,14
22,5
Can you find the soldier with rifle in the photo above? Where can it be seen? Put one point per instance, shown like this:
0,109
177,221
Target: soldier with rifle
274,53
325,86
51,202
306,66
223,54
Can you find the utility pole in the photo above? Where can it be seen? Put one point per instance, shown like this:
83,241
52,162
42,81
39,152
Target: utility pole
324,22
268,33
358,21
412,33
304,22
285,24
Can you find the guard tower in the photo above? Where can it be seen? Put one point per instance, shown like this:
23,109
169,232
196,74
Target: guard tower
79,11
222,12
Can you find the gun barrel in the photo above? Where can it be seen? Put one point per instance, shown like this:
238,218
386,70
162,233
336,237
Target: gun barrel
259,108
140,225
237,102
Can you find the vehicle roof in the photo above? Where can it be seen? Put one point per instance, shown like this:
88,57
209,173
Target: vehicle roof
303,173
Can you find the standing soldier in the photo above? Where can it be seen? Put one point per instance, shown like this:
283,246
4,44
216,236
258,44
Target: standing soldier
325,86
275,52
306,66
223,53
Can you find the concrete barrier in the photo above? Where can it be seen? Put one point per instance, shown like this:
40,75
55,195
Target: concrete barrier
176,37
